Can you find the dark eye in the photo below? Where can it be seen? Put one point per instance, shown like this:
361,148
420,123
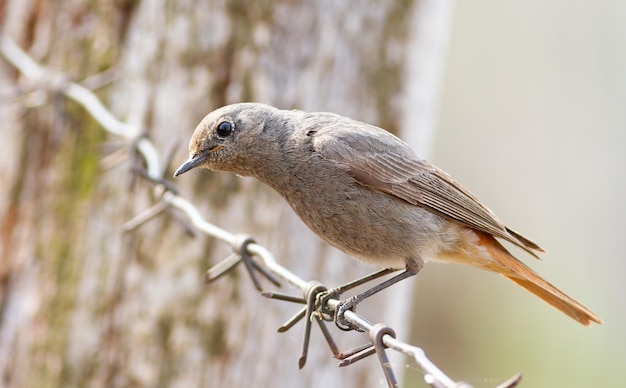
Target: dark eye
224,129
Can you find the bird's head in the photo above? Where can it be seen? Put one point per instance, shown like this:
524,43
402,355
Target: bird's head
226,137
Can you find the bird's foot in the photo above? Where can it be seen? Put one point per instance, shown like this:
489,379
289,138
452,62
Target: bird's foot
340,318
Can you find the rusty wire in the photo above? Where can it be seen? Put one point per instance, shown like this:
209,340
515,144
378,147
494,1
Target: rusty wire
382,337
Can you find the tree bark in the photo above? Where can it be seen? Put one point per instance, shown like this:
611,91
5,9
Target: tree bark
84,304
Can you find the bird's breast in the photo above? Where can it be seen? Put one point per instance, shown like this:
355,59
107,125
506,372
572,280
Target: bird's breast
372,226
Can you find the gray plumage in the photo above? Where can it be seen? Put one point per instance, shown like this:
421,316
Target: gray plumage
360,188
364,191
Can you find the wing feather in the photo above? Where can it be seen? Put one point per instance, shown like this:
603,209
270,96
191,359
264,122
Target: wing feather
377,159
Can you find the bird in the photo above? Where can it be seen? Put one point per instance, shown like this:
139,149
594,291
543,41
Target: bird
365,191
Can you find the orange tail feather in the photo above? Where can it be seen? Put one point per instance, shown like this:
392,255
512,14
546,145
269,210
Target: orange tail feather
513,269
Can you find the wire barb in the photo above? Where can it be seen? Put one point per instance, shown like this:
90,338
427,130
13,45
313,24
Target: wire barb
144,217
356,354
312,310
512,382
321,303
311,298
376,334
241,255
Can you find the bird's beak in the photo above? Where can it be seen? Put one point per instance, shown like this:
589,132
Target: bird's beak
192,162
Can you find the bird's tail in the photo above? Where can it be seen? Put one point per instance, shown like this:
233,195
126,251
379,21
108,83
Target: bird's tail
508,266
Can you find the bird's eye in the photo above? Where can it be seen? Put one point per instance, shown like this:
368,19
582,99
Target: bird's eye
224,129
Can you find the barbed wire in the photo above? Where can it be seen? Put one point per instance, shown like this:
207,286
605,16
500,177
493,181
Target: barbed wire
320,302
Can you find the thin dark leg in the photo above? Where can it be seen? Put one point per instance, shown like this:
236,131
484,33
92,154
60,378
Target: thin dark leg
365,279
350,303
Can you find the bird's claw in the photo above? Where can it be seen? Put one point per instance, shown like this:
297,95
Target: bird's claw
340,320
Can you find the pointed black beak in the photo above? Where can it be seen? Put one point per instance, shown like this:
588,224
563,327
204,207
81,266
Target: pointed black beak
190,163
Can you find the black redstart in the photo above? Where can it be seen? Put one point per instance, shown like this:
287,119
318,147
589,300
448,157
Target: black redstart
364,191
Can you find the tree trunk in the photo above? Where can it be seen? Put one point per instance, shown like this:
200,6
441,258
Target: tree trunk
85,304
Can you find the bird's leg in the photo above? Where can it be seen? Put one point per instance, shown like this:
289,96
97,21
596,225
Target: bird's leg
355,283
412,269
335,292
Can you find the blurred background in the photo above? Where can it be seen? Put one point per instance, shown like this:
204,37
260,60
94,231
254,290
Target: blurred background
521,102
532,120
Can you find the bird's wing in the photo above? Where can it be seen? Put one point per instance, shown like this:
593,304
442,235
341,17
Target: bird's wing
377,159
